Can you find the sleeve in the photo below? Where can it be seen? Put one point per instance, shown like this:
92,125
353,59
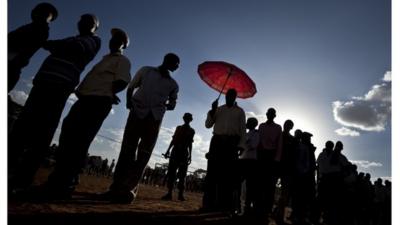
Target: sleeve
122,71
137,79
172,97
211,119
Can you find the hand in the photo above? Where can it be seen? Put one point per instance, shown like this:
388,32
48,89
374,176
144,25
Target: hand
214,105
115,100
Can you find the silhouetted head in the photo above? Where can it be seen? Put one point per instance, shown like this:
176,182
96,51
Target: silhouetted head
271,114
251,123
288,125
379,181
44,12
298,133
119,40
306,137
329,145
187,118
171,62
338,146
230,97
388,183
88,24
368,176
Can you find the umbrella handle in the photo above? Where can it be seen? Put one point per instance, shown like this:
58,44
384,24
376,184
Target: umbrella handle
226,81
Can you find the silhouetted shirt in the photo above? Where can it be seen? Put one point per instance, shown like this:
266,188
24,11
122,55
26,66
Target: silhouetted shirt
229,121
252,142
271,138
323,161
67,60
24,42
154,91
182,139
99,81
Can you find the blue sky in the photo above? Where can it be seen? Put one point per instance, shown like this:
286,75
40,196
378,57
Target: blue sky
311,60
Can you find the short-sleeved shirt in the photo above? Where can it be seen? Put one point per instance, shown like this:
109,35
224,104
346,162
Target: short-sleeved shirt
154,91
230,121
99,81
252,142
182,139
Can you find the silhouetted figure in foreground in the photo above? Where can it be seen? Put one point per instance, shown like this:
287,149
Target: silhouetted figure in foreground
96,95
304,192
248,166
268,156
229,135
179,157
24,42
286,170
156,92
55,81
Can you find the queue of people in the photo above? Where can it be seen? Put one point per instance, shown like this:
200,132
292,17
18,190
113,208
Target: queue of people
243,168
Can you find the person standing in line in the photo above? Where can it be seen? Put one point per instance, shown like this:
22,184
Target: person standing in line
26,40
55,81
156,92
96,95
180,157
229,137
268,156
248,161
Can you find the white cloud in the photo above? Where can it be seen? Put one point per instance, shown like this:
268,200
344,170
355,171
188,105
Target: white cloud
366,164
387,76
370,112
19,97
347,132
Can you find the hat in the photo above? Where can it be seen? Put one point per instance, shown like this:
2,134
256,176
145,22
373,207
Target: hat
116,32
44,7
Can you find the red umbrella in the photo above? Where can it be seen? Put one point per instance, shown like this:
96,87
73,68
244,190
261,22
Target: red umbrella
223,76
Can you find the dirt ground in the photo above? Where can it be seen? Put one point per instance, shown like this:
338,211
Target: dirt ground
148,208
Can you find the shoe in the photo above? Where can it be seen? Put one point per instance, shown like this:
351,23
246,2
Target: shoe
167,197
116,197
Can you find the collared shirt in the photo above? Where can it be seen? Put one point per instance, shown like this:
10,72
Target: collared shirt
154,92
252,142
229,121
99,81
271,138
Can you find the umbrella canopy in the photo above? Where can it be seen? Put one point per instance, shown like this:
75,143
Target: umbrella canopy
223,76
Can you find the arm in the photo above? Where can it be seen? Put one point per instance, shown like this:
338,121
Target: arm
190,150
278,155
171,144
242,131
135,83
172,99
211,114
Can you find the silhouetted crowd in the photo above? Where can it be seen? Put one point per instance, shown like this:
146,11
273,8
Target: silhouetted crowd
244,168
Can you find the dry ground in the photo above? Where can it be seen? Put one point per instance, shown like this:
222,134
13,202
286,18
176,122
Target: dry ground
146,209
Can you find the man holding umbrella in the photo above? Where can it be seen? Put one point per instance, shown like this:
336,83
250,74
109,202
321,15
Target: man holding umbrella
229,122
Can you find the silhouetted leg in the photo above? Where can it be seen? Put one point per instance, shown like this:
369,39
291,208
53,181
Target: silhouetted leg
78,131
127,156
134,170
210,180
172,168
182,170
40,119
